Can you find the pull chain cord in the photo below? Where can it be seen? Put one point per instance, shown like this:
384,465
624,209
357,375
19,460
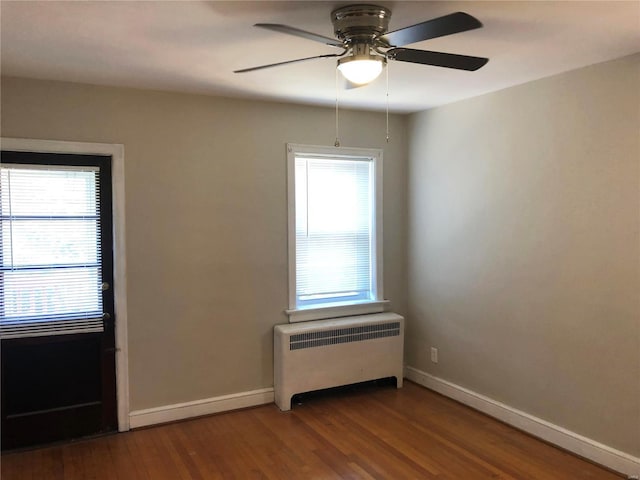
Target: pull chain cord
387,73
337,142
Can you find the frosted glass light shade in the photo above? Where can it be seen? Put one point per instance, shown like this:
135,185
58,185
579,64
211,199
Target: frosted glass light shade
360,71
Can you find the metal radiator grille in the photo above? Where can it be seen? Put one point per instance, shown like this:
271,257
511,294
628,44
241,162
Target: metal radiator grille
343,335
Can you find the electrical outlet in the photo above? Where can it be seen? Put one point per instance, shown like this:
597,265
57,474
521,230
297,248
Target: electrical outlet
434,354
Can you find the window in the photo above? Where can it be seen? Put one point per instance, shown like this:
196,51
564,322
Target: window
335,256
50,250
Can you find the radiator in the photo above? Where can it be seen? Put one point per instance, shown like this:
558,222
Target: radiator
330,353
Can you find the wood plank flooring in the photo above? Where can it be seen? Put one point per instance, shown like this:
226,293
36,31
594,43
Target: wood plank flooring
360,433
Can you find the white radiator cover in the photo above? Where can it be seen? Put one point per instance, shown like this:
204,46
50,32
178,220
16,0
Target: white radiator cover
330,353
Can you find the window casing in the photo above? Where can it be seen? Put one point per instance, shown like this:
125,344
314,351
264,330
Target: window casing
335,231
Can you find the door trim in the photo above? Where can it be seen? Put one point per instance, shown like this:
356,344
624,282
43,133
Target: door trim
116,151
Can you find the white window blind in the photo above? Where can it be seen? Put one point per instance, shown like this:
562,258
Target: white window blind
50,265
334,230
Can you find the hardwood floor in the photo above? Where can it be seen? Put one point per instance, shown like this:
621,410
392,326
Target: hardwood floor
360,433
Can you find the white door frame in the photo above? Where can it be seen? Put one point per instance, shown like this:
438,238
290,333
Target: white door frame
116,151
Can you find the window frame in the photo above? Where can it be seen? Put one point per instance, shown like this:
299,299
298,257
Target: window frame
332,310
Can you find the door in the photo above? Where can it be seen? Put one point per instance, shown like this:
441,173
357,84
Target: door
56,298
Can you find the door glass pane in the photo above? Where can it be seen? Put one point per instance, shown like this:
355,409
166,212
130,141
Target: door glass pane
49,190
44,294
42,242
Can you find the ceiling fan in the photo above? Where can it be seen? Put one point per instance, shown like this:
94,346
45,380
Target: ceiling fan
361,32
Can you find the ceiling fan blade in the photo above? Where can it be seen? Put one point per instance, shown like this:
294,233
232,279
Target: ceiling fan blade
437,59
300,33
438,27
287,62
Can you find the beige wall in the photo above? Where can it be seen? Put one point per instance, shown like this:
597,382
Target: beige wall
524,248
521,241
206,220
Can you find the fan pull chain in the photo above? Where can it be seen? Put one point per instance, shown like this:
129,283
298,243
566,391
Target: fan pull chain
337,142
387,74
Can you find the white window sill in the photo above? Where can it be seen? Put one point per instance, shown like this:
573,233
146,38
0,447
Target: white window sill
334,311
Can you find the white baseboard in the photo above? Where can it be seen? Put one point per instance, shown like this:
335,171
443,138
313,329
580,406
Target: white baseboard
180,411
563,438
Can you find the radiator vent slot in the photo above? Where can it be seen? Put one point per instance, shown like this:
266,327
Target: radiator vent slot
343,335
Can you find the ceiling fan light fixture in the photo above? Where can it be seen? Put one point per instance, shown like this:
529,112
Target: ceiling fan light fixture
361,69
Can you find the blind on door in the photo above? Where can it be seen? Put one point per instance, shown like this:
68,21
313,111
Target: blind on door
50,261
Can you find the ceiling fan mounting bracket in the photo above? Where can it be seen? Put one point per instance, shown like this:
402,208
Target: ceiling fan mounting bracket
355,24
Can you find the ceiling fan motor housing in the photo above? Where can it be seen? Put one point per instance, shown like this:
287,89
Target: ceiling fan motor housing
357,24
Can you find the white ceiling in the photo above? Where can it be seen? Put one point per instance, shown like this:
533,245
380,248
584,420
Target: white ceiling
195,46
